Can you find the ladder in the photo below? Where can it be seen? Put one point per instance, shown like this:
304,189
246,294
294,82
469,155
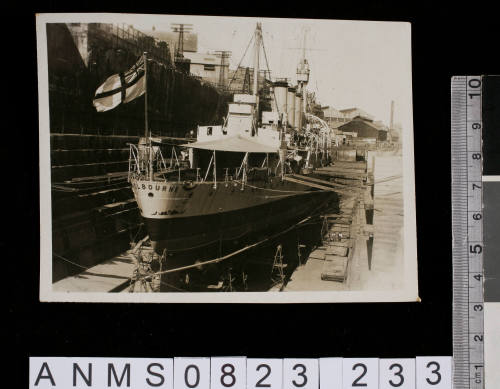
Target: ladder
278,269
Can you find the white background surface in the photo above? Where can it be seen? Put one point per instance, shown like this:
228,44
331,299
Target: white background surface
492,345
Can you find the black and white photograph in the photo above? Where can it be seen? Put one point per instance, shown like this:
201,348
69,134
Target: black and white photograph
225,159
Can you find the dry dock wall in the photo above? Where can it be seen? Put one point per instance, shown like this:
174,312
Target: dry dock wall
94,215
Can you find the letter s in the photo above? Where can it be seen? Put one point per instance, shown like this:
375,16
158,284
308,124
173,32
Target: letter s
162,379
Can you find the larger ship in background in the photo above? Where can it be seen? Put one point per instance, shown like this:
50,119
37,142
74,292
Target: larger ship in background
239,183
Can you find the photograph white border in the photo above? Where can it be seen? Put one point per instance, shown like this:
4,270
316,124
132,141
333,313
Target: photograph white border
408,293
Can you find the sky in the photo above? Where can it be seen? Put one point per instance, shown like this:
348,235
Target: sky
360,64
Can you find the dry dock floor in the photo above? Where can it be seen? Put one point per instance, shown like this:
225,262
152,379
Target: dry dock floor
105,277
387,265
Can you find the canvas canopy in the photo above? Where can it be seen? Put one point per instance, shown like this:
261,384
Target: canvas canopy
236,143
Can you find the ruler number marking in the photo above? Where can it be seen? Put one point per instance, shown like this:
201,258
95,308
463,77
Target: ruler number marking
474,83
476,249
467,212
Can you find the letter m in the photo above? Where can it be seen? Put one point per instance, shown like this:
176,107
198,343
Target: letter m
112,371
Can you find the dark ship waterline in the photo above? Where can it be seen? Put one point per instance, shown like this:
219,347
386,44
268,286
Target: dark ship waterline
189,216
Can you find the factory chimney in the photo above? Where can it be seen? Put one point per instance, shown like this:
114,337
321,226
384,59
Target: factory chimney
391,125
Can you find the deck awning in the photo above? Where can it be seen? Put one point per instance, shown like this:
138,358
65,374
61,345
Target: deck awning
238,143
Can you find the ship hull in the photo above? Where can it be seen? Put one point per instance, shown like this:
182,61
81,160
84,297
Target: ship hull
212,221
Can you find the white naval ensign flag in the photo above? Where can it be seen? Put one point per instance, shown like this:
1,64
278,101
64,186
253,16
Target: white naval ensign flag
121,88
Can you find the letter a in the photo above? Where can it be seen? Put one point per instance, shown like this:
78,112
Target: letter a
49,375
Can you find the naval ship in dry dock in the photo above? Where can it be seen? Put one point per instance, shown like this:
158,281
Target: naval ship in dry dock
238,186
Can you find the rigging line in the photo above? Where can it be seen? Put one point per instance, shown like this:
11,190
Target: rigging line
211,242
144,278
67,260
137,233
69,189
241,60
216,260
195,247
106,179
269,70
88,268
285,191
174,287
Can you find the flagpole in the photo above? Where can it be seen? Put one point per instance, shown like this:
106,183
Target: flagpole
146,131
146,127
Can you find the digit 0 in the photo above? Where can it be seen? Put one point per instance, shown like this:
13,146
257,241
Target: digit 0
186,376
474,83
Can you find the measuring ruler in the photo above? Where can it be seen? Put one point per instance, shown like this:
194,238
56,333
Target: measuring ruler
467,227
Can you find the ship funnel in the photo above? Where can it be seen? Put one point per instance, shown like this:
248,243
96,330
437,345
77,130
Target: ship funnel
290,107
280,87
298,111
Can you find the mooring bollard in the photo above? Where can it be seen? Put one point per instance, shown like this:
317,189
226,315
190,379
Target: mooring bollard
369,248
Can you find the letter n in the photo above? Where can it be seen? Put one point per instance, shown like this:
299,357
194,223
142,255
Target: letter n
111,370
87,379
40,376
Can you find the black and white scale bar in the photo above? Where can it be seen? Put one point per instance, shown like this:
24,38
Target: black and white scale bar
241,373
467,226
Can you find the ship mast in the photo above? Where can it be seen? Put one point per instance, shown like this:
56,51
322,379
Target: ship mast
258,37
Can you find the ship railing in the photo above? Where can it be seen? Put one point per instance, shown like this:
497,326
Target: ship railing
133,162
243,167
287,168
208,168
243,171
265,162
238,172
160,160
138,166
173,155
